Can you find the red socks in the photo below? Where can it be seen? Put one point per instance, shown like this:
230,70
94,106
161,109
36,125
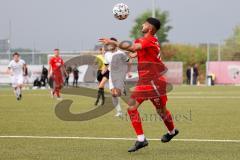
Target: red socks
57,91
168,121
136,120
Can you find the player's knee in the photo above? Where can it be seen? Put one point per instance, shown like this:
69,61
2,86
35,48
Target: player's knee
132,104
162,111
131,108
116,92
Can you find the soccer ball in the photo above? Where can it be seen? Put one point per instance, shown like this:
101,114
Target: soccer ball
120,11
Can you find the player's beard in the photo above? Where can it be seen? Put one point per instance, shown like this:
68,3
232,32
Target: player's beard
144,30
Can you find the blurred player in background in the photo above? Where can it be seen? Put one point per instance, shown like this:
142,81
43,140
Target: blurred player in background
151,84
44,74
102,76
56,73
17,68
75,76
69,70
118,66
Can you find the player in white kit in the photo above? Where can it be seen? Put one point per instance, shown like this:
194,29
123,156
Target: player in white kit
118,66
16,69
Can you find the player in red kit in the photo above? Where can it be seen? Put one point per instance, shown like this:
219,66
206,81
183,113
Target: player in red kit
56,73
151,84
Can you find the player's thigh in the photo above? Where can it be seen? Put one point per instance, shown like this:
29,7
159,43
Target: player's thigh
160,104
103,82
14,81
134,103
58,81
20,80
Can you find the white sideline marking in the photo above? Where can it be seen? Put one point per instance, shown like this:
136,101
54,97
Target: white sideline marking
170,96
124,139
204,97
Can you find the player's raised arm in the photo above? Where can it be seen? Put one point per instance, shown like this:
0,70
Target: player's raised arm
131,47
132,55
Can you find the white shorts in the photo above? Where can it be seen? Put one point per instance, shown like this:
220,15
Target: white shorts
116,83
25,79
16,80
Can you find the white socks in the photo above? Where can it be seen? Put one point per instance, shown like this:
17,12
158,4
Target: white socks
17,91
172,132
141,138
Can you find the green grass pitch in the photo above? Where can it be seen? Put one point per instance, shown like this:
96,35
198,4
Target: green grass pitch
200,113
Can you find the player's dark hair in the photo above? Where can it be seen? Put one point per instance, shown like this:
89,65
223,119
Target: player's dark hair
155,22
16,54
114,39
56,49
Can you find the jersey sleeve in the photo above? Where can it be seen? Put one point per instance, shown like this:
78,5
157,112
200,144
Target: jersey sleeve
23,62
62,62
145,43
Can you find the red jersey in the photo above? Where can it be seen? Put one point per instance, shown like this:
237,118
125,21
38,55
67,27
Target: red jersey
151,81
56,64
149,61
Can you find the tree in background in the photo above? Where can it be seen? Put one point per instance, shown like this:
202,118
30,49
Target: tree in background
188,54
231,48
162,34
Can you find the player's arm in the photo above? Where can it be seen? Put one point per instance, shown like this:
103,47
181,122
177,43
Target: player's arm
132,55
24,67
131,47
64,67
49,70
9,69
65,70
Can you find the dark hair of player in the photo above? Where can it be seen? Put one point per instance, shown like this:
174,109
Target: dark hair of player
114,39
155,22
56,49
16,54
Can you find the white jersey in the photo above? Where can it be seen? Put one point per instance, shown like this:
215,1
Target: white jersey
17,67
117,62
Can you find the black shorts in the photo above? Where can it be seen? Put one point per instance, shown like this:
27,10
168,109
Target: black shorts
100,75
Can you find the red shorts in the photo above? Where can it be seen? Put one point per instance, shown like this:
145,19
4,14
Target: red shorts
57,80
162,100
153,89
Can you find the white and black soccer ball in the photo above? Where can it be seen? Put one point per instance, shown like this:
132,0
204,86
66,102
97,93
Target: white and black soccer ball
120,11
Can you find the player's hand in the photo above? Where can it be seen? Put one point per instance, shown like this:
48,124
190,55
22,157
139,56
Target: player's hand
9,72
49,76
106,41
66,74
129,74
103,71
